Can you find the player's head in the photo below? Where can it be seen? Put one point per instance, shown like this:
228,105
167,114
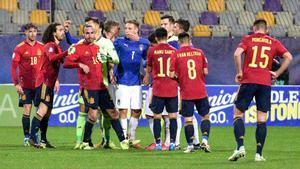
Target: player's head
161,34
30,31
111,29
167,22
89,33
181,25
93,21
184,39
53,32
260,25
152,39
131,28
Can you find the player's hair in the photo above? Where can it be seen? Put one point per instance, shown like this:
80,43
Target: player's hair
109,24
171,18
135,22
183,24
183,37
151,38
161,33
29,26
48,34
86,26
95,20
260,24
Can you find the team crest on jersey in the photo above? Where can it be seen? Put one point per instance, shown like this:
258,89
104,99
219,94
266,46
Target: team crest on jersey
26,53
39,52
92,100
86,53
141,47
50,50
47,98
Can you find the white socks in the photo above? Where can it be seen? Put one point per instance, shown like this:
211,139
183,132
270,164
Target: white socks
124,125
196,132
133,124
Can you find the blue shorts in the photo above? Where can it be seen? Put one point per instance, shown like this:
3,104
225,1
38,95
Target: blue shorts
158,103
27,97
97,98
45,95
262,94
187,107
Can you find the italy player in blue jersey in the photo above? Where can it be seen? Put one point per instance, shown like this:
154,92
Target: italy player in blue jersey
131,50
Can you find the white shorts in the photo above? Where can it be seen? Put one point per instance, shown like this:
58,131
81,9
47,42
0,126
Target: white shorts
112,92
128,97
148,111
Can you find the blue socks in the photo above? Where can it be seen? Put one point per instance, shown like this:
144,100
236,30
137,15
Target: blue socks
157,130
26,125
173,130
239,132
261,133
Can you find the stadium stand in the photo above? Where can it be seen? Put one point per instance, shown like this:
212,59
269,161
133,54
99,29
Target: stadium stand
38,17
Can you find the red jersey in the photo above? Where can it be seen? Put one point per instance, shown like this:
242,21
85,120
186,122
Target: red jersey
28,58
159,58
259,49
86,53
53,56
188,65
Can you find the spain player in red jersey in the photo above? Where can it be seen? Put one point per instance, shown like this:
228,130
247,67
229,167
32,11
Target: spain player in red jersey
86,57
255,78
45,83
26,58
165,89
190,67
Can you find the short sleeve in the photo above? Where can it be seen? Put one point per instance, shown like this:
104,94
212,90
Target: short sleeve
243,43
280,49
16,56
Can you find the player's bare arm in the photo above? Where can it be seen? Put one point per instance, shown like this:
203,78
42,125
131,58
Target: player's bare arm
287,60
238,63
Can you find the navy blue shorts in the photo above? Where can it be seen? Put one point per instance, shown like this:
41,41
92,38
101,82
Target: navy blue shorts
158,103
45,95
262,94
27,97
97,98
187,107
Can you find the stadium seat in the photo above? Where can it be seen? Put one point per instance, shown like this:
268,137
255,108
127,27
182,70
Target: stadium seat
10,28
133,14
152,18
85,5
268,16
191,16
228,18
277,31
124,5
293,31
297,19
4,16
9,5
44,4
160,5
246,18
253,5
201,31
284,19
77,17
146,30
220,31
27,5
239,30
60,16
235,5
216,5
175,14
208,18
38,17
272,5
198,5
80,33
117,16
104,5
98,14
291,6
67,5
20,17
142,5
178,5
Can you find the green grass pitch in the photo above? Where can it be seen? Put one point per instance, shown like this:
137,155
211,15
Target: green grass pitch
282,150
